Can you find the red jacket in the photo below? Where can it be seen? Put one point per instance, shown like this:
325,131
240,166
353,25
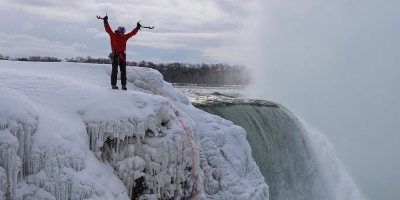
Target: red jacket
118,43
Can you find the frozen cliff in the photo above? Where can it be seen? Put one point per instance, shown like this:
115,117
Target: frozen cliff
64,134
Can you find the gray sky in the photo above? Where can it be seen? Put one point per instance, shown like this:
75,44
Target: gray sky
335,63
187,31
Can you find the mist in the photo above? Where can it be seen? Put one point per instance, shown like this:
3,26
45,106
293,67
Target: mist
336,64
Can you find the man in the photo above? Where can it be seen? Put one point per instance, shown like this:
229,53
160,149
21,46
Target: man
118,40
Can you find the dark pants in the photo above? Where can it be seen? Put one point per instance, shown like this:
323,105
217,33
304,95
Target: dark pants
121,61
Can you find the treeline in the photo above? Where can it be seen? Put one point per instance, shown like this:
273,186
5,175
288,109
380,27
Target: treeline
201,74
4,57
31,58
40,59
179,73
89,60
187,73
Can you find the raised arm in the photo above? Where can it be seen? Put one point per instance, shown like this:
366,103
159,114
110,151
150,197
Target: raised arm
134,31
108,28
106,25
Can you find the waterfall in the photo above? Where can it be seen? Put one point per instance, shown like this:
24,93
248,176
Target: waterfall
297,162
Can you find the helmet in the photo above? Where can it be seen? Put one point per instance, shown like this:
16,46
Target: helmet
121,29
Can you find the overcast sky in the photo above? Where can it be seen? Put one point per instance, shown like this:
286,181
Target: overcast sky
185,31
335,63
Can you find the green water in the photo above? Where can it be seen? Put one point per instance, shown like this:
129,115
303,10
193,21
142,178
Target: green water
279,149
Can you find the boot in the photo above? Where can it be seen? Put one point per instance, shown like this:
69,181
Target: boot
124,87
114,87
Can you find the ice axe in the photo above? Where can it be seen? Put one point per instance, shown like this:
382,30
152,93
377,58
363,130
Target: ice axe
148,27
102,18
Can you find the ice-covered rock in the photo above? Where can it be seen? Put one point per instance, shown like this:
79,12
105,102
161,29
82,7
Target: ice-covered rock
150,146
67,136
10,163
17,125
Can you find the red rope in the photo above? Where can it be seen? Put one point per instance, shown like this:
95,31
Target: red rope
179,120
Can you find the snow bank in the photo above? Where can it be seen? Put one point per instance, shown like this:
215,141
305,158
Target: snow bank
65,135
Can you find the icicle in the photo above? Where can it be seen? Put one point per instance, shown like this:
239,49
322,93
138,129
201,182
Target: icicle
10,161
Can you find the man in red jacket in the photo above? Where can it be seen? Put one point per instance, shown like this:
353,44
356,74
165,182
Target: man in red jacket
118,40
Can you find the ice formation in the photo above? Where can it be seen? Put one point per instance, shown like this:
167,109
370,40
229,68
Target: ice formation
66,136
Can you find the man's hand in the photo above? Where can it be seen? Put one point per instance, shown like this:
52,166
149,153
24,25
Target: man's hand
105,19
138,25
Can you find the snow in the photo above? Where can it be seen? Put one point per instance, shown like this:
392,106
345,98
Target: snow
64,134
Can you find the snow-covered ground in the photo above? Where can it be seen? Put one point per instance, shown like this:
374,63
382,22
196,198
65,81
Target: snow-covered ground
64,134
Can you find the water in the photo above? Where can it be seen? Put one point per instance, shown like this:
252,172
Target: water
297,162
